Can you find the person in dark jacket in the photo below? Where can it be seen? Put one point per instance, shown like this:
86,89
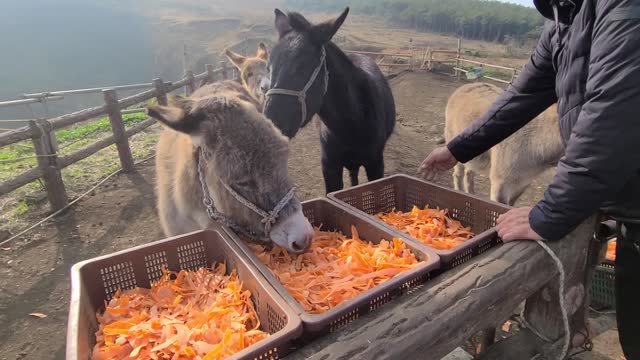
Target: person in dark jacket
588,62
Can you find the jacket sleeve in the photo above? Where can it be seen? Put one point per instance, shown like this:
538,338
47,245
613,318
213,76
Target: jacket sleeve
530,94
602,153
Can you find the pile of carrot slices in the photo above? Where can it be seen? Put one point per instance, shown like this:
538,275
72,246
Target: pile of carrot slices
201,314
336,268
431,226
611,251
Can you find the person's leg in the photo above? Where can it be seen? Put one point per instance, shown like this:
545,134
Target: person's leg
628,290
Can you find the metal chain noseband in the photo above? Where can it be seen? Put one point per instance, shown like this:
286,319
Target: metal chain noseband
268,218
302,94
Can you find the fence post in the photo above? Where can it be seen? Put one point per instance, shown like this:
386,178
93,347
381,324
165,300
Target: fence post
48,162
117,126
458,73
223,66
191,83
211,75
162,91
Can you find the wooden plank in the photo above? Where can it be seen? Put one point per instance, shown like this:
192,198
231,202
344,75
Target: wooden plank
73,158
496,79
177,85
485,64
101,144
139,127
117,127
161,92
377,53
48,163
432,321
77,117
136,99
395,65
16,135
224,71
21,180
191,82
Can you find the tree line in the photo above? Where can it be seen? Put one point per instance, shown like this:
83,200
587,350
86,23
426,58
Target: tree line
472,19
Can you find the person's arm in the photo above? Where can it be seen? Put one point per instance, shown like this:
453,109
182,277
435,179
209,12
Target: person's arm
530,94
602,153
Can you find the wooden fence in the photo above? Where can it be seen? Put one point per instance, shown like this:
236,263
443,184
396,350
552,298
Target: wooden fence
385,60
42,131
456,64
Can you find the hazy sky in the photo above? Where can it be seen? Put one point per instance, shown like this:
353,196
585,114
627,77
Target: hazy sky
521,2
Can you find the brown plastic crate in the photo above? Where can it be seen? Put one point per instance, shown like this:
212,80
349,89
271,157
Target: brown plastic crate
402,192
96,280
332,217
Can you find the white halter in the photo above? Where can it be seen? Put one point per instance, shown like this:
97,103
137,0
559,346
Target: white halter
302,94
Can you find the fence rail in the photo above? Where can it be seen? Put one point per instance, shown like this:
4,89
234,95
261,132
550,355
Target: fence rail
42,131
384,55
457,61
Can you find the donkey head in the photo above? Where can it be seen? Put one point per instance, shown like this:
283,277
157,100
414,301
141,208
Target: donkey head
298,67
243,157
253,71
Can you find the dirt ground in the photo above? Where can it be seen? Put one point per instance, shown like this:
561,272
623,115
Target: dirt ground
34,271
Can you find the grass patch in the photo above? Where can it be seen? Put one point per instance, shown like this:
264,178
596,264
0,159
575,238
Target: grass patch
17,158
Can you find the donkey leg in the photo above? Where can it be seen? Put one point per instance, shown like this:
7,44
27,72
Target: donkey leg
332,173
469,181
375,169
353,174
173,221
458,170
507,193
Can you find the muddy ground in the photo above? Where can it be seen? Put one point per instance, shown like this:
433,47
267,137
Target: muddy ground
34,271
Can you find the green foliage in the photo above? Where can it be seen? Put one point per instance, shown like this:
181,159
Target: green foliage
96,127
473,19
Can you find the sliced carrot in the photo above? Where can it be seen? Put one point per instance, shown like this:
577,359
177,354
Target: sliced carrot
431,226
201,314
336,268
611,250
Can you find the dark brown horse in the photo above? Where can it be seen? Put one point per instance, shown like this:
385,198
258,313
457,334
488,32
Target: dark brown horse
311,75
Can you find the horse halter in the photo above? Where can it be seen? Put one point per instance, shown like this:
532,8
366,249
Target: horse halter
302,94
268,217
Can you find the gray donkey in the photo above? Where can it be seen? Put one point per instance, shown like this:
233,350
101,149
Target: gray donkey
220,159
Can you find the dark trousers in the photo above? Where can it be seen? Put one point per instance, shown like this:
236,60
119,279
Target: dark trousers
628,289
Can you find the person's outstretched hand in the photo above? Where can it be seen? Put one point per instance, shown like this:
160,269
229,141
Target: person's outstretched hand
440,159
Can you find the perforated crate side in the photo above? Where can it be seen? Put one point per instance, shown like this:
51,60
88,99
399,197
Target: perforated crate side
603,291
95,281
477,213
322,212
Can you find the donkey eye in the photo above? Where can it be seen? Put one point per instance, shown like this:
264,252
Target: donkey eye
249,74
244,184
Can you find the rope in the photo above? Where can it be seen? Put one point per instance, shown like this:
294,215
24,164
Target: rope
71,203
563,309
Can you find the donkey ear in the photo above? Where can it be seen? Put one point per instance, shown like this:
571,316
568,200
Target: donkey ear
263,53
236,59
176,115
323,32
283,26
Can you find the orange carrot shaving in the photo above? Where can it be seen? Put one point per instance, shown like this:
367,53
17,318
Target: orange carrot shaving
201,314
336,268
431,226
611,251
